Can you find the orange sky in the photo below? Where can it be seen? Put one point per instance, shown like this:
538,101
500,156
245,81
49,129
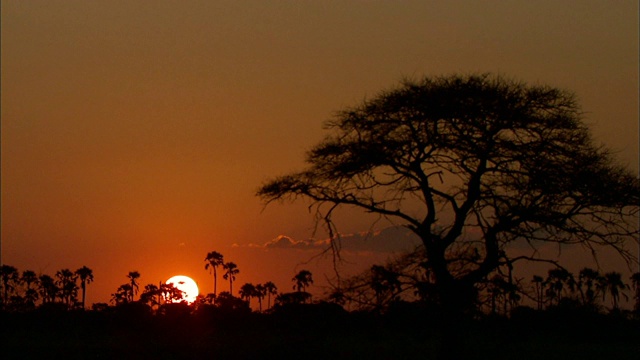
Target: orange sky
135,133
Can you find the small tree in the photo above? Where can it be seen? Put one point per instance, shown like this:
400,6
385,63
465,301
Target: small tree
476,162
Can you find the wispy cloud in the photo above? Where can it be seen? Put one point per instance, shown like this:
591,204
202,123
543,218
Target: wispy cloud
391,239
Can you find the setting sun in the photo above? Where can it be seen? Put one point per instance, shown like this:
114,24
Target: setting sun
187,285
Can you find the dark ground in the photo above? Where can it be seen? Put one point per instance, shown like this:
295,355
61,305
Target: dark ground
313,332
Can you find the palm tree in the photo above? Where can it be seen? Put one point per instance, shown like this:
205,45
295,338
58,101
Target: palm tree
133,276
48,288
10,278
29,278
302,280
214,259
231,270
556,281
261,291
271,289
86,277
66,281
613,284
588,278
537,283
635,279
247,291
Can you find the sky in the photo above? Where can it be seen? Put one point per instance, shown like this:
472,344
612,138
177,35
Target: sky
136,133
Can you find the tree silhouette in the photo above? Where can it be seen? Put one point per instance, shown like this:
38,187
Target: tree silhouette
230,272
133,276
122,294
271,289
170,293
588,280
214,259
30,278
538,283
10,277
86,277
247,291
559,282
151,296
260,293
302,280
385,283
446,154
635,280
612,284
48,288
66,281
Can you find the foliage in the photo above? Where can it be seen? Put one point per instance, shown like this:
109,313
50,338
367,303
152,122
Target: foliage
472,165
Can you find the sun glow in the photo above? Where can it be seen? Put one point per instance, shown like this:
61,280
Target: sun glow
187,285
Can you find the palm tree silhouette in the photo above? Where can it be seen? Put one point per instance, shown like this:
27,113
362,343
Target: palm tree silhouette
270,289
556,281
66,281
214,259
231,270
10,278
86,277
29,278
261,291
302,280
133,276
588,278
247,291
48,288
538,285
612,283
635,280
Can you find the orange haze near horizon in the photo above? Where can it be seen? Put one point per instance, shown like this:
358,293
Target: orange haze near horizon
135,133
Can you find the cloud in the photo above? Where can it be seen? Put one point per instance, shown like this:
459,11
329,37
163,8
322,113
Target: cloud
392,239
285,242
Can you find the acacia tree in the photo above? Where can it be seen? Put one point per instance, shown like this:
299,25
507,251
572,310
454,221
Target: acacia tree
470,164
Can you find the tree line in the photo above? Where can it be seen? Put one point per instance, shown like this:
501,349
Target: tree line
406,279
27,291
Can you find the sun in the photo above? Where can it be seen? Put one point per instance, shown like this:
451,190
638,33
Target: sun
187,285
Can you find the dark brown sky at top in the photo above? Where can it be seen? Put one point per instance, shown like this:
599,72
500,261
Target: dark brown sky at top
135,133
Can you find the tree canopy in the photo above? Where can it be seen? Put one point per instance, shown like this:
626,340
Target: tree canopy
471,164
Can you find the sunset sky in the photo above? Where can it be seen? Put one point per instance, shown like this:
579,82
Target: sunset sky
135,133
